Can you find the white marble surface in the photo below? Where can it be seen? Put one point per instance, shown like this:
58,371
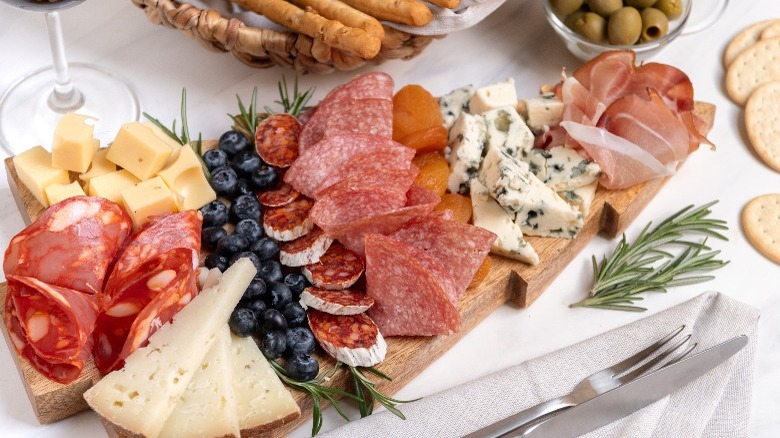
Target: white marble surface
515,41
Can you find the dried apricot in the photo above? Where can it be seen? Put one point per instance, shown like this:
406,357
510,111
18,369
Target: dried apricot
414,109
426,140
434,171
459,205
482,272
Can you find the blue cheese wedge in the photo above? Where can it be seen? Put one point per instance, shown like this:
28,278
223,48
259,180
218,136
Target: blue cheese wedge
493,96
539,211
541,113
490,216
454,103
507,131
561,168
581,197
466,141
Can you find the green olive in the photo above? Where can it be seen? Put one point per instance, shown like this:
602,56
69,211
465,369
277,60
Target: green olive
566,7
572,18
592,26
671,8
654,24
640,4
605,8
624,26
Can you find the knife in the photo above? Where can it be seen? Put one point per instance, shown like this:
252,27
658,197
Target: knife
625,399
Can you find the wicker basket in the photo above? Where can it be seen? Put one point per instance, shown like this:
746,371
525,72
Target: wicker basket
265,48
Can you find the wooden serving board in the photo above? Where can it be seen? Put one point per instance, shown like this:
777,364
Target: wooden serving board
508,281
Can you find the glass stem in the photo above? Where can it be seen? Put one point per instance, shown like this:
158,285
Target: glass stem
65,97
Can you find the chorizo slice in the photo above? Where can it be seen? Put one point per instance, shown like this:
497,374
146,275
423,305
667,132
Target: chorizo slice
305,250
288,222
278,197
336,302
276,139
339,268
354,340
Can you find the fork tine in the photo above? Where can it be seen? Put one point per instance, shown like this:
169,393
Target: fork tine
682,355
627,364
656,360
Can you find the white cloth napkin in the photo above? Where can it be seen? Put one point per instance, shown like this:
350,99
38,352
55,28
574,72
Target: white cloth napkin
715,405
467,14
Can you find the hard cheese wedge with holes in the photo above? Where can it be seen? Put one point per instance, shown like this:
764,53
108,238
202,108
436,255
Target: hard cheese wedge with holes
139,398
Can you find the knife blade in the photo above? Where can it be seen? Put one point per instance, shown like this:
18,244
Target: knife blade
632,396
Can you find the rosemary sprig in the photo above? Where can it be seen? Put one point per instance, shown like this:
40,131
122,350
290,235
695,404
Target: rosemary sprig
247,120
295,105
370,394
646,265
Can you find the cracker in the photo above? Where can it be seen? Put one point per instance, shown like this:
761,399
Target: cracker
762,122
761,223
771,31
757,65
746,38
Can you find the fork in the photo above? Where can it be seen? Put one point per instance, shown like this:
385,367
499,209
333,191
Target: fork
596,384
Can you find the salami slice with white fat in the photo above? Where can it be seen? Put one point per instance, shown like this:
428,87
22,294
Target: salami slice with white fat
367,164
354,340
305,250
71,245
336,302
278,197
276,139
339,268
290,221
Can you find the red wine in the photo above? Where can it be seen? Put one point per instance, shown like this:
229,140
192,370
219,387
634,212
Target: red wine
42,5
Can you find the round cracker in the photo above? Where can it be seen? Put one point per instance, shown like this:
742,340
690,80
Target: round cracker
761,223
762,122
771,31
757,65
746,38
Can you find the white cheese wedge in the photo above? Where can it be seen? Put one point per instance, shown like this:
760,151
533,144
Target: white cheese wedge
581,197
493,96
490,216
542,113
207,409
561,168
454,103
467,138
139,398
507,131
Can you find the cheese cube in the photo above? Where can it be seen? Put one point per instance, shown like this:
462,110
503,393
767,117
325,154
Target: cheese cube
507,132
100,166
542,113
148,198
581,197
466,141
139,150
73,146
57,192
454,103
110,185
174,145
184,176
561,168
34,169
185,160
494,96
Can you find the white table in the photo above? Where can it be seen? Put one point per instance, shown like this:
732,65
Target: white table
515,41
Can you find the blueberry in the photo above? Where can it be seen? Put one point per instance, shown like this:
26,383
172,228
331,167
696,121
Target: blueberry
294,314
216,261
233,142
232,244
250,229
265,178
215,214
280,295
246,163
246,254
297,282
266,248
242,322
302,367
224,181
209,236
244,187
215,158
270,271
255,291
245,207
300,340
272,320
256,306
273,344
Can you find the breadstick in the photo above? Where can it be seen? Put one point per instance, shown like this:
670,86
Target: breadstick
330,32
449,4
336,10
411,12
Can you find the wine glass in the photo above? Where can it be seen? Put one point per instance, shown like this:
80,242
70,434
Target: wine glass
31,107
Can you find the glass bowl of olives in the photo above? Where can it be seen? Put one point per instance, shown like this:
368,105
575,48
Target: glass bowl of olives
591,27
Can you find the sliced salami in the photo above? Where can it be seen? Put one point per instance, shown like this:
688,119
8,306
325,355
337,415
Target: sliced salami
305,250
290,221
361,116
336,302
51,326
340,208
421,195
339,268
366,164
394,179
278,197
71,244
408,298
354,340
276,139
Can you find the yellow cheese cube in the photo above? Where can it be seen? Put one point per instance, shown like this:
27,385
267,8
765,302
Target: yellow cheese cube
148,198
110,185
73,146
100,166
139,150
34,169
186,159
57,192
193,190
175,146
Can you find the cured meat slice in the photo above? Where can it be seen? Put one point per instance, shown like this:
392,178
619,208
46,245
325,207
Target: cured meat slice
71,244
51,326
338,209
290,221
361,116
421,195
276,139
305,250
317,162
280,196
408,299
354,340
336,302
339,268
365,164
394,179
